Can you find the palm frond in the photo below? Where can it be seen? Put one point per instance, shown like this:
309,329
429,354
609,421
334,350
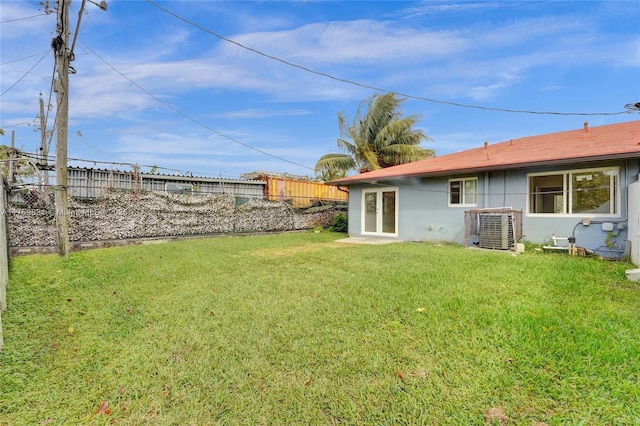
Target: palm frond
347,146
401,131
378,137
394,155
369,161
335,162
383,109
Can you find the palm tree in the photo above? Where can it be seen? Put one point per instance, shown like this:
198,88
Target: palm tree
379,138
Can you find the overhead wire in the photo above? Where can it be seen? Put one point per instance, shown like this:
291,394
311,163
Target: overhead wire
21,59
22,19
112,163
326,75
188,117
52,159
139,87
93,147
25,74
367,86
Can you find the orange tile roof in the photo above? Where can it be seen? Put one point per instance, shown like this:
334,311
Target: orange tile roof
612,141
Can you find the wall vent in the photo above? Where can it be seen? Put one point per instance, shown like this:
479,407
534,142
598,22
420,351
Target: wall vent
495,231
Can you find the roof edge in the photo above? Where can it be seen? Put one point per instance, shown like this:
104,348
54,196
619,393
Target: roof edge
355,180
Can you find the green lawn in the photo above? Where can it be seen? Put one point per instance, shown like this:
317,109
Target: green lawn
298,329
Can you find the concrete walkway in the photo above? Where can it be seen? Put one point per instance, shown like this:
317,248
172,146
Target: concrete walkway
366,240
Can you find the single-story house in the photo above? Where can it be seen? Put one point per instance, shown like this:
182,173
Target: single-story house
579,184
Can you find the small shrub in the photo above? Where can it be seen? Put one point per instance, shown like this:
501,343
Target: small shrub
530,246
340,223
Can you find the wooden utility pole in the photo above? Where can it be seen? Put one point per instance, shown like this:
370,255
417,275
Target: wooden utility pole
64,55
43,143
61,51
4,258
11,152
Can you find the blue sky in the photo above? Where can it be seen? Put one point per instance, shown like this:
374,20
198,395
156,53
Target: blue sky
155,88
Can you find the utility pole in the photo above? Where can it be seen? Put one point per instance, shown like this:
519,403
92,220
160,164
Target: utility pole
64,56
11,153
61,52
43,143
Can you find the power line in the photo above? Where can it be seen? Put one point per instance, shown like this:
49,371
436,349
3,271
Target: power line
93,147
22,59
112,163
188,117
633,107
22,19
367,86
25,74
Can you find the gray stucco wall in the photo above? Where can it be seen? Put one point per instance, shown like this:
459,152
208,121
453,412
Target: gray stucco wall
634,222
355,210
424,214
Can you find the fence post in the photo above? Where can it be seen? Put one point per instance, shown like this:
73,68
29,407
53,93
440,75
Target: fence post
4,257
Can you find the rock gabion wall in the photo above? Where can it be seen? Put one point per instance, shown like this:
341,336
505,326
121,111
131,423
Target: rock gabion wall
122,215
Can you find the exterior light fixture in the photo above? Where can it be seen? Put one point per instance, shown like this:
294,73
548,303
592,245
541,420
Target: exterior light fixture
633,107
102,5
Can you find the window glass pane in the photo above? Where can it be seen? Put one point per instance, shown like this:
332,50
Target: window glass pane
370,203
389,212
454,190
470,191
592,192
546,194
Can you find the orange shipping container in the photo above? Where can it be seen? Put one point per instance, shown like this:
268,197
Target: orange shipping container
300,193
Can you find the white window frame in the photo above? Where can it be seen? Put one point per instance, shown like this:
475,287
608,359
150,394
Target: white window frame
463,195
567,192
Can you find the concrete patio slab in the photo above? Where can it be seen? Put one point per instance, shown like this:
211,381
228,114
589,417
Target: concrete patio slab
366,240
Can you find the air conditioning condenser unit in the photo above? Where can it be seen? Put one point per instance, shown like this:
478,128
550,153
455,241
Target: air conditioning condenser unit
495,231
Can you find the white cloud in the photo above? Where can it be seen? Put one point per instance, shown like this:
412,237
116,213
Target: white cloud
388,55
429,8
196,152
456,75
474,57
263,113
350,42
505,80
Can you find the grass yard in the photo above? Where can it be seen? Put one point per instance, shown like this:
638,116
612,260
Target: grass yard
298,329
